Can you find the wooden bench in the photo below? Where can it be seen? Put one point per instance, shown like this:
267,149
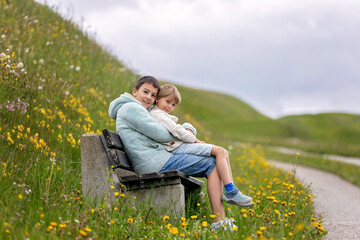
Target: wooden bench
104,163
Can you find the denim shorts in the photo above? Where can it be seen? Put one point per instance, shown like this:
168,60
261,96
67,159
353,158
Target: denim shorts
200,149
192,165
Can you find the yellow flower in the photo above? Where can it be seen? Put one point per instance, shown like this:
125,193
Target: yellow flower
166,218
82,233
87,229
184,224
212,216
122,195
182,235
297,154
130,220
116,194
168,226
49,228
174,230
20,197
276,211
244,215
54,224
193,217
183,219
112,221
62,225
234,228
204,224
92,211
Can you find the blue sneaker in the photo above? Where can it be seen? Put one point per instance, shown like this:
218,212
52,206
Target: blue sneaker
225,224
235,197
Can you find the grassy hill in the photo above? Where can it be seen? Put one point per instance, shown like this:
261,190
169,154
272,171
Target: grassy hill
56,84
231,118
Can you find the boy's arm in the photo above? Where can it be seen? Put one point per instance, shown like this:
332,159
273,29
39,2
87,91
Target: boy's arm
176,130
139,119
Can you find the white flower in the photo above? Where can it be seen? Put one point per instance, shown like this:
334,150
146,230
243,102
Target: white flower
77,68
23,70
41,61
26,50
7,66
2,55
67,93
26,17
20,65
52,159
71,67
40,87
3,36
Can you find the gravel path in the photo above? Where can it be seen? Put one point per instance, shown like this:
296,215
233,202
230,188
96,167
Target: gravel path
337,200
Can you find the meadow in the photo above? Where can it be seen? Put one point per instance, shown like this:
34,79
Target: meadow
56,83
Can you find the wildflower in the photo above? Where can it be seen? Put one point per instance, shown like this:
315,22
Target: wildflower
130,220
20,65
150,223
116,194
297,154
87,229
92,211
20,197
166,218
77,68
62,225
193,217
183,219
168,226
212,216
82,233
123,195
54,224
41,61
112,221
245,215
262,228
234,228
49,228
205,224
182,235
174,230
184,224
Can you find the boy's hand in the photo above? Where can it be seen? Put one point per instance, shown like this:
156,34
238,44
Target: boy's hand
198,141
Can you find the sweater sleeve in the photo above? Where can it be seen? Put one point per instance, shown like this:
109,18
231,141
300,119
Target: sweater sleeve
139,119
176,130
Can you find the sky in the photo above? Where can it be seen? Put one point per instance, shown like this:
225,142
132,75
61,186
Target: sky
282,57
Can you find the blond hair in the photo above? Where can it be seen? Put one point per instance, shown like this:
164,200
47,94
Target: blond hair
167,90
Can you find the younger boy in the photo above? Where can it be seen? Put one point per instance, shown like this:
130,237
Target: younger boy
165,103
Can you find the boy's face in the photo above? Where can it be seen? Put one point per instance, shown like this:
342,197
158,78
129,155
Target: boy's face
146,94
166,104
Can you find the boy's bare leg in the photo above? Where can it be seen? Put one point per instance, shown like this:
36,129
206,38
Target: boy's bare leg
215,189
222,164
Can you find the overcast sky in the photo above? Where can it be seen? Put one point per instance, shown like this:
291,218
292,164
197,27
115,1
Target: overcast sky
281,57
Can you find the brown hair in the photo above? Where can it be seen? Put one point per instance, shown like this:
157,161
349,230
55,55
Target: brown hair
147,79
169,89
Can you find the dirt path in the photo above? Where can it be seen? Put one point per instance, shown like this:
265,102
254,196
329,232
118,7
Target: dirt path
337,200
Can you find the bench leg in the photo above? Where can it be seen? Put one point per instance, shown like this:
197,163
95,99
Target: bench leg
166,200
95,170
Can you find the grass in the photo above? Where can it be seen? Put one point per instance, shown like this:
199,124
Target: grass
348,172
56,84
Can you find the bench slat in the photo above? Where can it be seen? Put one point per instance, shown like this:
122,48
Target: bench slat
112,139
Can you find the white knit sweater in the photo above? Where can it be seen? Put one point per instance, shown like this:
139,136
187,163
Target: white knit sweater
170,123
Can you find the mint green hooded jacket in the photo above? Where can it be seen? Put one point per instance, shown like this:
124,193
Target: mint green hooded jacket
140,134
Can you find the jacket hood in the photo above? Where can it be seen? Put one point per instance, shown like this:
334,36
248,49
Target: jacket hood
116,104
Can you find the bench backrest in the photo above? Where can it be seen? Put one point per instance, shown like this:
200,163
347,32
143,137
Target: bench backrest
115,150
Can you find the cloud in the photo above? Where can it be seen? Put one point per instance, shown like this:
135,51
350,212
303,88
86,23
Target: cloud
264,52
